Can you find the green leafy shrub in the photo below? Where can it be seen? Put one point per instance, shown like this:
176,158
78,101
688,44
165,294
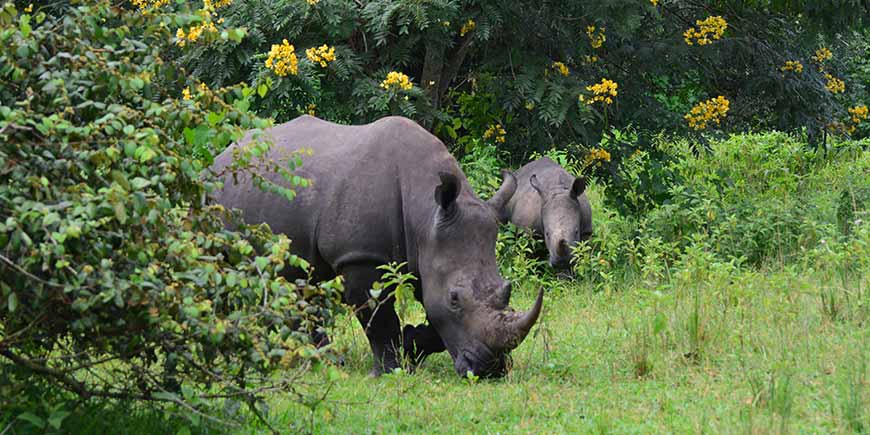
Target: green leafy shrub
117,280
752,199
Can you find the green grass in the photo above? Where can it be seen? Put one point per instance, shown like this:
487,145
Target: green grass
753,353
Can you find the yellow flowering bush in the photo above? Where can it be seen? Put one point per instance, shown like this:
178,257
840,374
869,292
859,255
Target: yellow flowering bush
495,132
712,110
708,30
147,5
793,65
859,114
603,92
597,156
596,40
322,55
194,32
822,55
561,67
834,85
282,59
467,27
397,80
215,4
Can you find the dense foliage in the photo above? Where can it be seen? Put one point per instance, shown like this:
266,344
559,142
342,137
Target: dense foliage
561,75
117,280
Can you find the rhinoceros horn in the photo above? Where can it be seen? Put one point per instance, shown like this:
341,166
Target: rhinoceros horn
519,324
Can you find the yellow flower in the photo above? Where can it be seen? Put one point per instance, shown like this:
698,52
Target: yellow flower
322,55
822,55
712,110
194,32
310,109
708,30
604,92
590,59
596,41
859,113
497,132
282,59
313,2
145,6
654,2
186,93
215,4
597,156
561,67
834,85
203,88
28,9
397,80
793,65
467,27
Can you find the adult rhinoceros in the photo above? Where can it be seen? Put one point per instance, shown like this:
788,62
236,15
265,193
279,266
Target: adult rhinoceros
551,202
390,192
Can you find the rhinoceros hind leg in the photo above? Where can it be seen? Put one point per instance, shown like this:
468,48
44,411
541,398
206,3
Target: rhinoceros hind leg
381,324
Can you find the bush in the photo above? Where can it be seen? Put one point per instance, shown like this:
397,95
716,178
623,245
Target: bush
116,279
475,65
752,199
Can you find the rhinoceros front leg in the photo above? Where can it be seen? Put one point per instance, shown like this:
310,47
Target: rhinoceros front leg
420,341
381,324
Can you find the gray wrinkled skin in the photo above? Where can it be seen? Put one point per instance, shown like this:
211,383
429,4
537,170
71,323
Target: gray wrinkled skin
389,191
552,203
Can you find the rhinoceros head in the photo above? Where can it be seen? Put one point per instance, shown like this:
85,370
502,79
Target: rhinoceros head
566,217
466,299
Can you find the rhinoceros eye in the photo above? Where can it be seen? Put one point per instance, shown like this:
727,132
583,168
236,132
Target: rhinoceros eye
454,299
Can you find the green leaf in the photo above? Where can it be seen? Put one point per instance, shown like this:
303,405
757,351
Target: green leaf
262,89
137,83
12,302
32,419
24,26
57,418
50,219
261,262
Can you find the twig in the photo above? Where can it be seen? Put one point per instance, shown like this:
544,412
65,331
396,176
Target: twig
28,274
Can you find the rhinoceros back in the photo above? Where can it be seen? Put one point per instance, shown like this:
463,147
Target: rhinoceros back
371,190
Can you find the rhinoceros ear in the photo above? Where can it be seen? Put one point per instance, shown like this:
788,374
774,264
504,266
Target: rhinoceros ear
500,199
578,187
533,180
447,192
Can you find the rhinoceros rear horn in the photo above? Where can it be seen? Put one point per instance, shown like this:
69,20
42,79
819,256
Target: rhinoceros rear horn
519,324
447,192
499,201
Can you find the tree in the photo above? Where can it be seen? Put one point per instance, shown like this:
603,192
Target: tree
117,279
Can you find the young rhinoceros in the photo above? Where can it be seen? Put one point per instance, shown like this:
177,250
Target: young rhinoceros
551,202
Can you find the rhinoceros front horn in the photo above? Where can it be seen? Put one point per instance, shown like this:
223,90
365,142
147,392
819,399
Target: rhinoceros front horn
519,324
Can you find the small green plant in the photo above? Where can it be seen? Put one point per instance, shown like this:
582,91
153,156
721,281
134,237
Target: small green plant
400,287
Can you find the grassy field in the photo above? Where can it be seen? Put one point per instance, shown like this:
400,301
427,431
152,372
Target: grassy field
739,306
754,353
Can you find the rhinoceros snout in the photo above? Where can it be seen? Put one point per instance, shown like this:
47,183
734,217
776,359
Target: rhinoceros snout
484,367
